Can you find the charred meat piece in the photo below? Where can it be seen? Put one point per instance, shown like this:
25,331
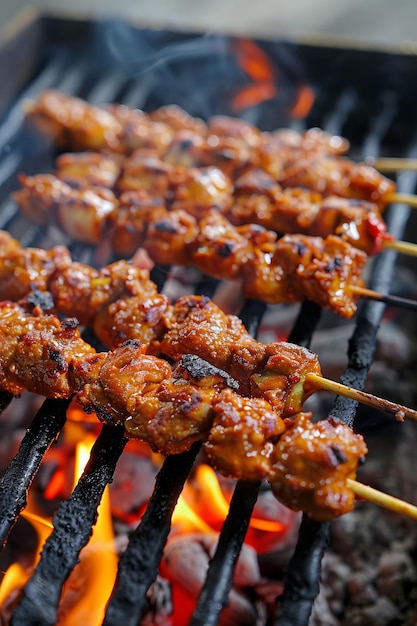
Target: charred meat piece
37,350
74,123
242,436
24,269
143,317
199,327
169,410
338,177
219,249
85,169
169,236
82,213
310,466
83,290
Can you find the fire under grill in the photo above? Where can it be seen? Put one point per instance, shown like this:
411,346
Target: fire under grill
367,96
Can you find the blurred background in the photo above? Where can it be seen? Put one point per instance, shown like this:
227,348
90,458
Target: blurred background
379,22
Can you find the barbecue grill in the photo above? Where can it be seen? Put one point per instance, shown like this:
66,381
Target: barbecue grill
367,95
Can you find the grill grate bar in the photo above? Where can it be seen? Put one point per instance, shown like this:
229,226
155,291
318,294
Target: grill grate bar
72,529
336,119
137,94
18,477
302,578
139,563
219,580
107,89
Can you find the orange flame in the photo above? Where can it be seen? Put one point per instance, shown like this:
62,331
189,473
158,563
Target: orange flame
260,69
89,586
304,102
203,507
253,94
17,574
254,61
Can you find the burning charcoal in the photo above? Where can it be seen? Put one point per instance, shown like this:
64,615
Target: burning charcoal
382,613
396,572
361,588
185,563
132,485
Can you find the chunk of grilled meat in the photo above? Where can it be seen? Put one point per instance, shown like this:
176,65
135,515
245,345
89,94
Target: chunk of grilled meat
128,229
178,119
197,326
83,213
311,463
342,177
81,290
37,350
312,268
74,123
168,409
88,169
275,372
259,199
242,436
25,269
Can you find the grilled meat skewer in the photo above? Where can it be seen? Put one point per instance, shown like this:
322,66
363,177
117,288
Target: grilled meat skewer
227,143
87,211
290,269
169,408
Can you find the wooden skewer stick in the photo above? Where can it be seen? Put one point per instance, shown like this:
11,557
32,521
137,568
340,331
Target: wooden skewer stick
400,411
402,198
403,247
392,164
405,303
382,499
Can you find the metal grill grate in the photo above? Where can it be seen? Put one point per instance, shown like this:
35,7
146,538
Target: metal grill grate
373,109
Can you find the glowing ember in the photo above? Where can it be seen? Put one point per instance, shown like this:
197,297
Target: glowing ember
260,69
253,94
303,103
254,61
266,81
